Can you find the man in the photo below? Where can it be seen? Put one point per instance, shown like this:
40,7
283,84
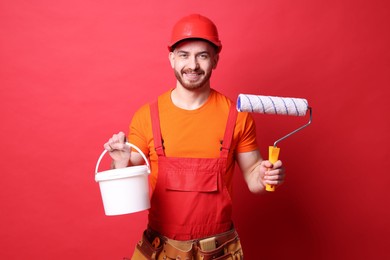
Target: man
193,136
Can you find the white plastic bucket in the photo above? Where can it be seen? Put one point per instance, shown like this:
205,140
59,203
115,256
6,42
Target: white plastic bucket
124,190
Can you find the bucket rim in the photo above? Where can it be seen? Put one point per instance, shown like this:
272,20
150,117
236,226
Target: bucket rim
121,173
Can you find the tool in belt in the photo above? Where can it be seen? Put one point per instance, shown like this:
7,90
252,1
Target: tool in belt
155,246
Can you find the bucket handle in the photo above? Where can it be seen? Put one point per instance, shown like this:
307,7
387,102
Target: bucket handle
129,144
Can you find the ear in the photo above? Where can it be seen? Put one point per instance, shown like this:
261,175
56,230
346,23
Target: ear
171,58
215,61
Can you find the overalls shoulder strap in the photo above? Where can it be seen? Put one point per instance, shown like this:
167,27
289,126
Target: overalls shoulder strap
229,130
156,129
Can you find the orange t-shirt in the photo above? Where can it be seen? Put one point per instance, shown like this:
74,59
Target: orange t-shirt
192,133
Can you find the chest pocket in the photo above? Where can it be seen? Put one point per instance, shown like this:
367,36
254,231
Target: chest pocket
192,174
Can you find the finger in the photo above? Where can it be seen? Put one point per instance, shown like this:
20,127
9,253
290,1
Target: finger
275,172
116,146
118,138
122,137
273,180
277,164
266,164
116,142
108,147
114,139
273,175
274,183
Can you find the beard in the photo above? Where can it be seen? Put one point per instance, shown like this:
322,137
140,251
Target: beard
193,85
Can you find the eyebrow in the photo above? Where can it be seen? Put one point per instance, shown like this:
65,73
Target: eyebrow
199,53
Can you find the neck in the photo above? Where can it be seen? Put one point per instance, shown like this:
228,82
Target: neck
190,99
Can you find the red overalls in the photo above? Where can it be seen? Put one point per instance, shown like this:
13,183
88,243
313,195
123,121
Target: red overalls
190,199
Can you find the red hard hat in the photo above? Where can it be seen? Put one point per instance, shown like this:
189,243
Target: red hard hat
195,26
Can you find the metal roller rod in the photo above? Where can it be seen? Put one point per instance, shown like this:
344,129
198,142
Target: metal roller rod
297,130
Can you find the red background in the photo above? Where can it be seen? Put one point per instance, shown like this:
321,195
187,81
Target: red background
73,72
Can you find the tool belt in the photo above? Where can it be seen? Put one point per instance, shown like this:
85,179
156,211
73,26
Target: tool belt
222,246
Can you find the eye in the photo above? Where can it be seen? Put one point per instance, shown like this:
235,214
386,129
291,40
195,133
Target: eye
183,55
203,56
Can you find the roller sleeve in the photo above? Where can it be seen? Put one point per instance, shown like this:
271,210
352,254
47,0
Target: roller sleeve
272,105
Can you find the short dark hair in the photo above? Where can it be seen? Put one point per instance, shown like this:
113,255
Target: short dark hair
173,47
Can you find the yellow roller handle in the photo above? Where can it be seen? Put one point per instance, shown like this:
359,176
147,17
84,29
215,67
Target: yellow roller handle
273,154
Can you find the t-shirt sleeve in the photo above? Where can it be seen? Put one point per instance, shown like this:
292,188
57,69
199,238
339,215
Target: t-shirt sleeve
139,129
246,130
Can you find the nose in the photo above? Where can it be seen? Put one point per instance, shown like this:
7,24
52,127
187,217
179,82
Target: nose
193,63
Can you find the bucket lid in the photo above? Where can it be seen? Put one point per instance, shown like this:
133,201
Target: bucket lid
122,172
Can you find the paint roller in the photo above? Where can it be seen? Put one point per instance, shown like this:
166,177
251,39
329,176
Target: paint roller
276,106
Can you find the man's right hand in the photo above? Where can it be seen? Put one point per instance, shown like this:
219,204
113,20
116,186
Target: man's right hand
118,150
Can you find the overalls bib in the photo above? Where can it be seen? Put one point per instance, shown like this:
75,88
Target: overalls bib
191,199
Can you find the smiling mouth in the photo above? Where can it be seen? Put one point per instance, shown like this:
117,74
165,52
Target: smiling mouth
193,75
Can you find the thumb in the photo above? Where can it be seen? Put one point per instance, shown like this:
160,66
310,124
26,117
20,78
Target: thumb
267,164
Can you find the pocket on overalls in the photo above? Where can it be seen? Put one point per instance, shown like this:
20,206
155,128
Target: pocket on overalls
188,180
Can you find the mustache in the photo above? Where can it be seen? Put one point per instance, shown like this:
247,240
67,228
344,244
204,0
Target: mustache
198,71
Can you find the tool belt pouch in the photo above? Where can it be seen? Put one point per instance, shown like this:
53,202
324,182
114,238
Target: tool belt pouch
171,252
145,249
229,250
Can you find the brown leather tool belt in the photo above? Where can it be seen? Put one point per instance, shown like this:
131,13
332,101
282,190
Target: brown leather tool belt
155,246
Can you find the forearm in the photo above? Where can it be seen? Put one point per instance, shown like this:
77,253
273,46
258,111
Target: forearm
254,178
250,163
